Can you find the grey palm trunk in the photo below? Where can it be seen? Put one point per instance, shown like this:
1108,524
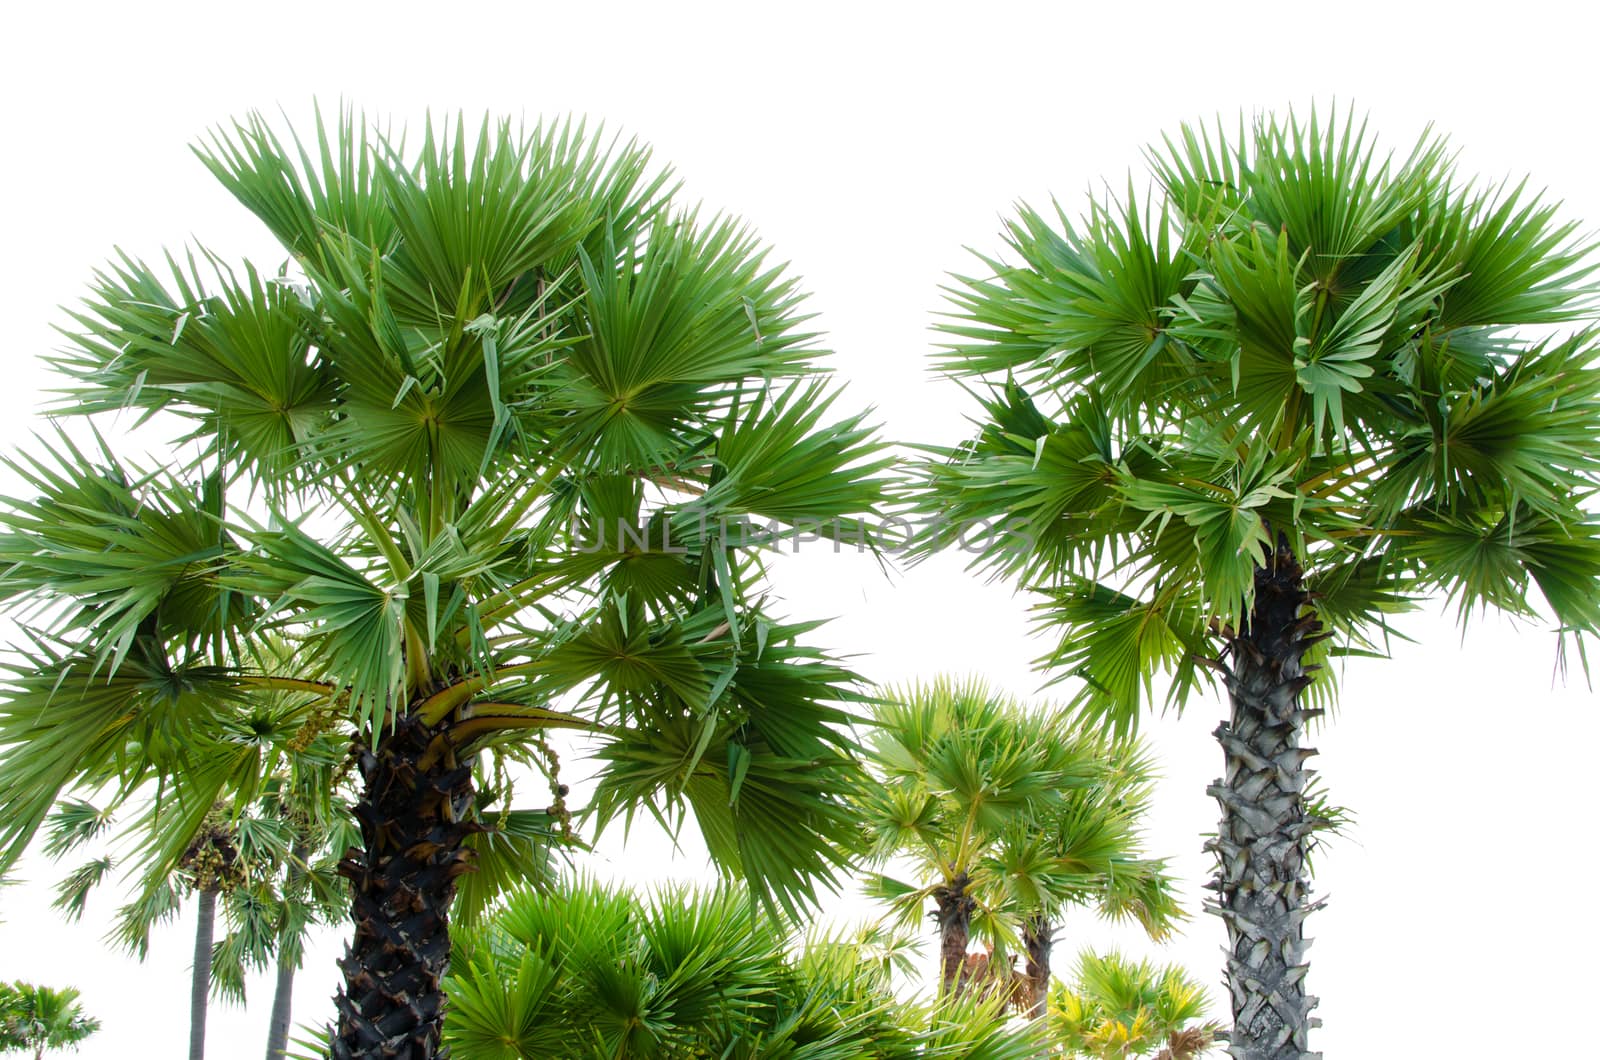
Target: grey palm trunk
1262,892
200,982
283,993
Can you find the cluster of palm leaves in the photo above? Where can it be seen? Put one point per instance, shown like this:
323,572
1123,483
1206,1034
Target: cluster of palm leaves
1007,816
1114,1008
36,1018
596,971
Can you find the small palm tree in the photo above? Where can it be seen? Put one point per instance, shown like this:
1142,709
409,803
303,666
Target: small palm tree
249,862
210,867
40,1018
1087,852
1309,388
1009,816
1117,1009
490,448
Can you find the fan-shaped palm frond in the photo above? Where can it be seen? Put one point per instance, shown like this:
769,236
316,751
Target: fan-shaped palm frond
1309,385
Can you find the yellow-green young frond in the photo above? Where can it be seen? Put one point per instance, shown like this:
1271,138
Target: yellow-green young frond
1114,1008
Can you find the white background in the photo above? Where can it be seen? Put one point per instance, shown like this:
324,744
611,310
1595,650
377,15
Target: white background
869,144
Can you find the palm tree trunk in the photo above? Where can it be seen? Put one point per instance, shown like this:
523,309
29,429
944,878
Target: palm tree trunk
954,917
200,984
413,815
1263,896
1038,938
283,994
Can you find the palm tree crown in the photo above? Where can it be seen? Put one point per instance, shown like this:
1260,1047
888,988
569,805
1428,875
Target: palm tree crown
1117,1009
41,1017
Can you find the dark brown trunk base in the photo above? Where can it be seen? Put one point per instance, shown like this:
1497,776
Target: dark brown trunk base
953,912
413,815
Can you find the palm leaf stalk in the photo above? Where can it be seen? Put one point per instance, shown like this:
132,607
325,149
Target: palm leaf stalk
1306,389
486,453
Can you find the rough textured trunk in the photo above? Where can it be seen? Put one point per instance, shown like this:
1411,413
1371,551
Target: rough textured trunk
954,917
1038,938
283,994
413,816
1263,895
200,983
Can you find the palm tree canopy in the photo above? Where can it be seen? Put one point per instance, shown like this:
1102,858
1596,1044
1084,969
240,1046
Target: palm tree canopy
1388,364
1033,812
40,1017
484,453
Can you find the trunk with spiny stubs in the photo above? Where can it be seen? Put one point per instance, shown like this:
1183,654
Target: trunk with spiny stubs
953,913
283,993
1038,938
200,984
413,815
1261,884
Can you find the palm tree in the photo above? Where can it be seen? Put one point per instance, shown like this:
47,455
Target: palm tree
291,840
1008,816
40,1018
1087,852
251,862
487,454
1118,1009
1294,398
